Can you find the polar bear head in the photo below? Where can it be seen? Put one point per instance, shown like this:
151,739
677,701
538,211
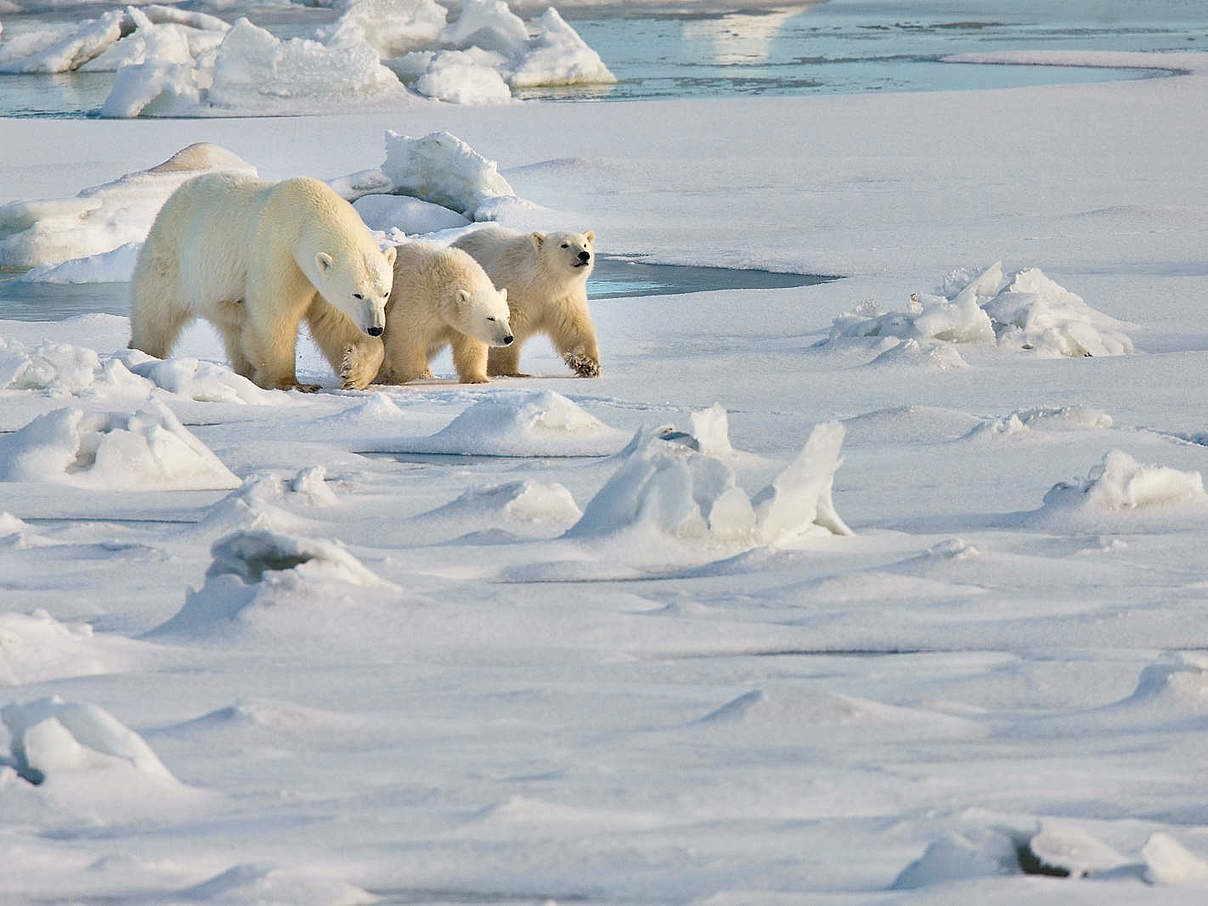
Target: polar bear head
357,281
482,313
566,254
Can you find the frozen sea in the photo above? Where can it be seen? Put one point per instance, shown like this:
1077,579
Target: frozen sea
888,589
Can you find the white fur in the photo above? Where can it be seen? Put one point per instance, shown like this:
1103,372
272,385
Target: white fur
254,258
441,297
546,279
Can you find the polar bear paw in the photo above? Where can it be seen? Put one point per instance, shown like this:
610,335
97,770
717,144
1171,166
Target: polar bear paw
582,364
356,370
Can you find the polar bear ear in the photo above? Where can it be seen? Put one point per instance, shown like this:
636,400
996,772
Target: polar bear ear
391,253
591,236
324,262
503,294
538,238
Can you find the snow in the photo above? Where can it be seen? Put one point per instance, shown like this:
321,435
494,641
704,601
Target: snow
382,657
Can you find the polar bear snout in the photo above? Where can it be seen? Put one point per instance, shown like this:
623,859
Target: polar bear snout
507,341
374,331
585,256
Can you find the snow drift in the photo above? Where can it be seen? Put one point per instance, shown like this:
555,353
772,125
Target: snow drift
1120,487
145,450
266,585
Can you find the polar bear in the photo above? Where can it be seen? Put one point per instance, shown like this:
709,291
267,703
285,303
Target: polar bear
545,275
441,297
254,258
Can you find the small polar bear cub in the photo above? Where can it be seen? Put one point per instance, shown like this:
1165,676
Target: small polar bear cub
441,297
545,275
254,258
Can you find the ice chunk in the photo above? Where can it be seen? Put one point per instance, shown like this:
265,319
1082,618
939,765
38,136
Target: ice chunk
103,217
444,170
68,51
390,27
116,266
522,502
1120,484
464,77
1036,313
799,501
1072,850
143,450
60,368
1032,312
558,56
254,71
488,24
1169,864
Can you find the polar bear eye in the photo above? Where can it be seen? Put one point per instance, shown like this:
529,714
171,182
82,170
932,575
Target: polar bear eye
358,296
566,245
490,319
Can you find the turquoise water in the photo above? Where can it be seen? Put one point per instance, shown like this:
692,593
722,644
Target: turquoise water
841,46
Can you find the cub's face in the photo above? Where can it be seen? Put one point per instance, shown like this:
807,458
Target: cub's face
573,253
358,284
483,314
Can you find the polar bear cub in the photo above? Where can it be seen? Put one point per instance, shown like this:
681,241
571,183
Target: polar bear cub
441,297
254,258
545,275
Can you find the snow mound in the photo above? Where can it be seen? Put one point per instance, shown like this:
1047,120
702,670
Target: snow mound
489,25
61,369
374,408
1023,422
517,502
264,583
524,814
959,857
102,218
909,425
262,884
464,77
36,647
205,382
517,423
1169,864
1178,684
84,760
274,717
786,711
442,169
402,212
258,503
1026,311
670,489
15,533
145,450
1120,485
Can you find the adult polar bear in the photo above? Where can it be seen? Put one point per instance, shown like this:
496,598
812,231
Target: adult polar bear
254,258
545,275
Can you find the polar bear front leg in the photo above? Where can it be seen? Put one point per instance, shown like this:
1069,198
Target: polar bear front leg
470,359
270,336
505,360
406,357
574,338
355,357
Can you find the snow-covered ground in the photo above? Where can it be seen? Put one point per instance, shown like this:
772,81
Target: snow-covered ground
917,610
